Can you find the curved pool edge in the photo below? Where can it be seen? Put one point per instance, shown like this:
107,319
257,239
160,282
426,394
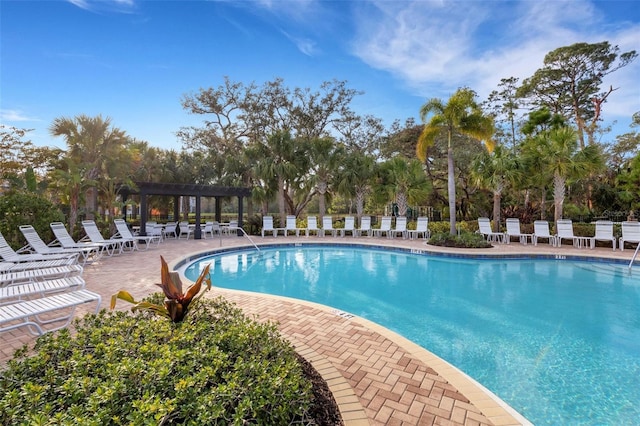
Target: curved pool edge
490,405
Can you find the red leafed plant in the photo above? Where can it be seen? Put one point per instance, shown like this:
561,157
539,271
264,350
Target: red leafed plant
176,304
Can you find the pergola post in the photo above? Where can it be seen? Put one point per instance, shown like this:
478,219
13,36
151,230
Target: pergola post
197,233
218,211
143,212
238,232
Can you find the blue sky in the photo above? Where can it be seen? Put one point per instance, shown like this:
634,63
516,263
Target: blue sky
133,60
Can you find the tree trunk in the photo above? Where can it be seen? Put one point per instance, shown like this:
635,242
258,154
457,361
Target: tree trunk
559,185
322,189
402,203
497,196
451,185
359,204
281,209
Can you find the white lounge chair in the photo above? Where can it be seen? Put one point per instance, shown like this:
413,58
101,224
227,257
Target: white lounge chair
14,276
365,226
385,227
65,240
267,226
125,233
312,226
422,228
513,230
327,226
604,232
94,235
27,312
15,292
564,230
484,228
541,230
35,244
9,255
349,226
630,233
291,226
6,266
400,229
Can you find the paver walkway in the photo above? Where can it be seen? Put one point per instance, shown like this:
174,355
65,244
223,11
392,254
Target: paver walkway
376,376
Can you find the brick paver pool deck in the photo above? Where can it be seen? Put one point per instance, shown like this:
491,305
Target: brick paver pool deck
376,376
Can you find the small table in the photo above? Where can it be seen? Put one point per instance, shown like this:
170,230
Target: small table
582,242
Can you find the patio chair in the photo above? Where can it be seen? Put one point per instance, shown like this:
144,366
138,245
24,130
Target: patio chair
185,230
8,254
267,226
604,232
327,226
36,244
171,230
385,227
422,228
230,228
400,229
630,233
365,226
564,230
155,229
125,233
291,226
207,229
94,235
349,226
541,230
513,230
312,226
484,228
65,240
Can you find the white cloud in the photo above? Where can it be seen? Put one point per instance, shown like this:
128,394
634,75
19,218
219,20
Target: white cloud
304,45
12,115
101,5
438,46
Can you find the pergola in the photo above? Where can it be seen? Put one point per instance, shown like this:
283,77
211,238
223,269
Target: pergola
177,190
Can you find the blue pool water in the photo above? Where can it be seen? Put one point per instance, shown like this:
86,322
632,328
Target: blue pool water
559,341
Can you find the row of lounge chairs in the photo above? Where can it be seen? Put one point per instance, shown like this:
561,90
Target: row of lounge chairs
564,231
41,284
385,229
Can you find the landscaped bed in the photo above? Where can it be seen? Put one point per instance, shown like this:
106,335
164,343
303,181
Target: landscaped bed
215,367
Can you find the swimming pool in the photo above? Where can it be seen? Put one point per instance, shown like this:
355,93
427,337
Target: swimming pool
557,340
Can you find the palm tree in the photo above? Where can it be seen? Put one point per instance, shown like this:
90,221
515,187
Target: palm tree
495,171
561,159
405,182
325,156
91,143
68,178
277,165
355,178
461,114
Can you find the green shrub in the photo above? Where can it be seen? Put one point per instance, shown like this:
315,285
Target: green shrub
215,367
27,209
463,240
